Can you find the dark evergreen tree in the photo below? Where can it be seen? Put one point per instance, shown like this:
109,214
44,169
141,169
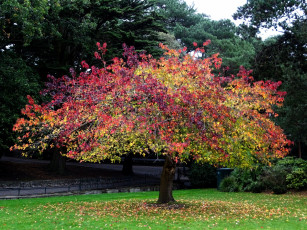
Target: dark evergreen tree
271,13
177,12
63,32
16,81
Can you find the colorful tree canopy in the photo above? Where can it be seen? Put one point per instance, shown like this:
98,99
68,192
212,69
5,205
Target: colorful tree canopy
172,106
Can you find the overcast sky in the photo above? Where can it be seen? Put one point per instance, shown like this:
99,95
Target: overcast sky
223,9
217,9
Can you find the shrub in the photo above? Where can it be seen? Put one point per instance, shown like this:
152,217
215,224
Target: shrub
248,179
297,179
229,184
202,175
297,176
292,162
279,189
287,173
274,178
255,187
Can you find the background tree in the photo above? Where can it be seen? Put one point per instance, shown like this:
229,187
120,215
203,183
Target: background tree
16,81
173,106
56,35
188,27
21,21
283,58
267,14
225,40
176,12
170,40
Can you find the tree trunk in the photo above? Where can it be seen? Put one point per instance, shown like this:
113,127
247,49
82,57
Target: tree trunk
166,182
299,150
127,165
58,162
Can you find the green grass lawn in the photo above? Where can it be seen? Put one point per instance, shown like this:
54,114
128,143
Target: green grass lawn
195,209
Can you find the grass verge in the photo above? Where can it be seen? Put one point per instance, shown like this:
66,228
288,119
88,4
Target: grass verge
194,209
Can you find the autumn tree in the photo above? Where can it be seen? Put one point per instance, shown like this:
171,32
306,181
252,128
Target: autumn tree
173,106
